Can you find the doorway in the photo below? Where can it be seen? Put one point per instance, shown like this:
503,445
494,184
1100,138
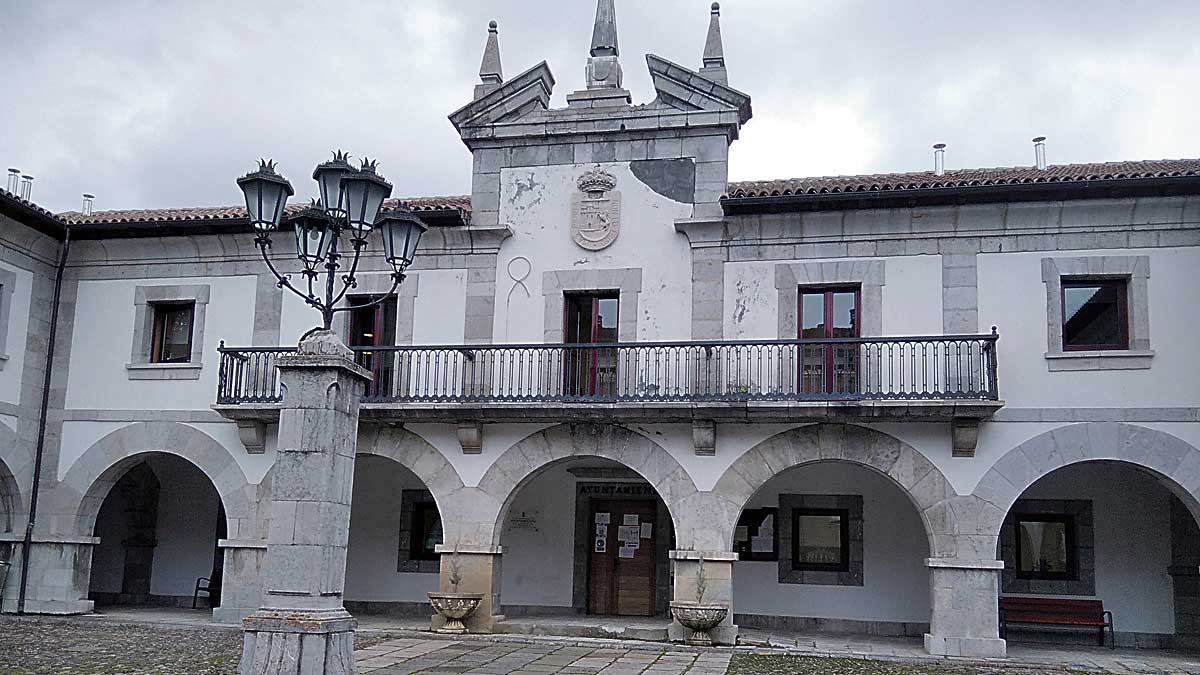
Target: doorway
590,319
622,564
827,314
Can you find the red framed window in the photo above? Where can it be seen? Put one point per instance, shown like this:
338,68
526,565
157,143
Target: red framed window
827,313
374,327
1095,314
590,318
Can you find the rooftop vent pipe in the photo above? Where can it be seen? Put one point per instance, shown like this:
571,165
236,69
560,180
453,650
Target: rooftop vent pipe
14,179
1039,151
939,159
87,203
26,186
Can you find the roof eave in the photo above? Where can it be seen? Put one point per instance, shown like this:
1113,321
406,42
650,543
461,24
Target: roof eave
31,216
974,194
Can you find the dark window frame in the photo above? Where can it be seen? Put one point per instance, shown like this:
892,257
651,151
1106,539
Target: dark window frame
416,546
844,516
829,385
1072,573
584,374
1121,286
162,311
748,553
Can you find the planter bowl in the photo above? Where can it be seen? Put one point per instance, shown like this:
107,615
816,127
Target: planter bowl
700,619
454,607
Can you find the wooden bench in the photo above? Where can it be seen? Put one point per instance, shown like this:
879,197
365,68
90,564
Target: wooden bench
1084,614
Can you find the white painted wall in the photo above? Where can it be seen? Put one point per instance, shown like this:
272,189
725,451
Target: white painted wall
373,553
536,203
538,567
896,581
752,301
188,508
441,307
1131,512
17,332
103,339
1013,297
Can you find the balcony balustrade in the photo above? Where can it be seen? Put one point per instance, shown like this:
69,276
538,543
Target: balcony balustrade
939,376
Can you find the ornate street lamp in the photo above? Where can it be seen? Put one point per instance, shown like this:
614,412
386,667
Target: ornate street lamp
350,205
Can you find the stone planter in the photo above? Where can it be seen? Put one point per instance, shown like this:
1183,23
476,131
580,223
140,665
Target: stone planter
699,618
454,607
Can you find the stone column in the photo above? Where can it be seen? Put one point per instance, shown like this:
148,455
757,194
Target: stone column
964,603
59,572
241,585
718,589
302,627
476,570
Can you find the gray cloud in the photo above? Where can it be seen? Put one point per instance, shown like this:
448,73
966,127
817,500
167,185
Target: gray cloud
164,103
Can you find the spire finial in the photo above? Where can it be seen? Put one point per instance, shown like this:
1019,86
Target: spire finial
714,49
491,74
604,34
604,63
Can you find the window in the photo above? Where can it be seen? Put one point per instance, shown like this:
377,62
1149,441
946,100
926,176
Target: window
374,326
827,314
172,337
426,532
591,318
821,540
1046,548
757,535
1095,314
8,283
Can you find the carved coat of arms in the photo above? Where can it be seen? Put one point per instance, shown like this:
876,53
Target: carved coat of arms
596,211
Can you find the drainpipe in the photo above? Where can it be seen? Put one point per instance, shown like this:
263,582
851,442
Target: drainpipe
41,438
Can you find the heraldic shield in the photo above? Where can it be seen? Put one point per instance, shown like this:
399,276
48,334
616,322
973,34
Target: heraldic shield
596,212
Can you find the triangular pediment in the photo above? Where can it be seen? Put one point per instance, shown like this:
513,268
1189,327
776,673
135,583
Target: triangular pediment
685,89
511,101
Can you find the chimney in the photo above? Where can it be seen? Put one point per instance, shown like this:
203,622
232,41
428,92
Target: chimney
939,159
26,186
1039,152
87,203
14,180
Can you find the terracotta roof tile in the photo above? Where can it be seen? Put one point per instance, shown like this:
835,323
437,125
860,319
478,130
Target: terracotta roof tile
5,194
208,214
926,180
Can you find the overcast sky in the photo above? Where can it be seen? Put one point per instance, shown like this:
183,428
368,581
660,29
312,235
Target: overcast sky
160,103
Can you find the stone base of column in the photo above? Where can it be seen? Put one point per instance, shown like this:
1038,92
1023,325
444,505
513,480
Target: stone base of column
298,642
241,588
59,570
964,603
718,582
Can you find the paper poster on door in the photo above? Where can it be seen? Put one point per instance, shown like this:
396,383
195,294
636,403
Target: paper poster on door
602,532
630,519
647,530
603,518
601,545
629,533
627,552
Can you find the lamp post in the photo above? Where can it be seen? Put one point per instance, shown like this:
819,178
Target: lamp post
302,626
344,217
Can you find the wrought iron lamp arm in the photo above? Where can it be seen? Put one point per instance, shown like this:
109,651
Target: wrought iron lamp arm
349,280
398,278
285,279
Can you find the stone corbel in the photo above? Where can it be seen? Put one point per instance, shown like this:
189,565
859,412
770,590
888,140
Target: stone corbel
704,438
253,435
470,437
964,432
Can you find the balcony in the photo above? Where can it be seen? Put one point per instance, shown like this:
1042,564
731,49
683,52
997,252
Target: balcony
938,378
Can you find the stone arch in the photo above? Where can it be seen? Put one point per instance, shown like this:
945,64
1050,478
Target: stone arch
91,477
1172,460
915,475
12,503
418,456
536,453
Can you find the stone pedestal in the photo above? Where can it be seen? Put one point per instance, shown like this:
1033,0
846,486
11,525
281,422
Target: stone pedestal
964,602
302,627
718,582
478,571
59,570
241,586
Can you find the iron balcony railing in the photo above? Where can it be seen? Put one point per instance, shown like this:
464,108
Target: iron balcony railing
955,367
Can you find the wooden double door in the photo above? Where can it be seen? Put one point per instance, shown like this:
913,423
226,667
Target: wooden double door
622,565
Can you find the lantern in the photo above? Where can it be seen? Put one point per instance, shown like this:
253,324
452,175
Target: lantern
329,180
365,191
315,234
401,232
266,196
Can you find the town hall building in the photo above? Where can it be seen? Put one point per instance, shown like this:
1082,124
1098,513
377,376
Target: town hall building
892,405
